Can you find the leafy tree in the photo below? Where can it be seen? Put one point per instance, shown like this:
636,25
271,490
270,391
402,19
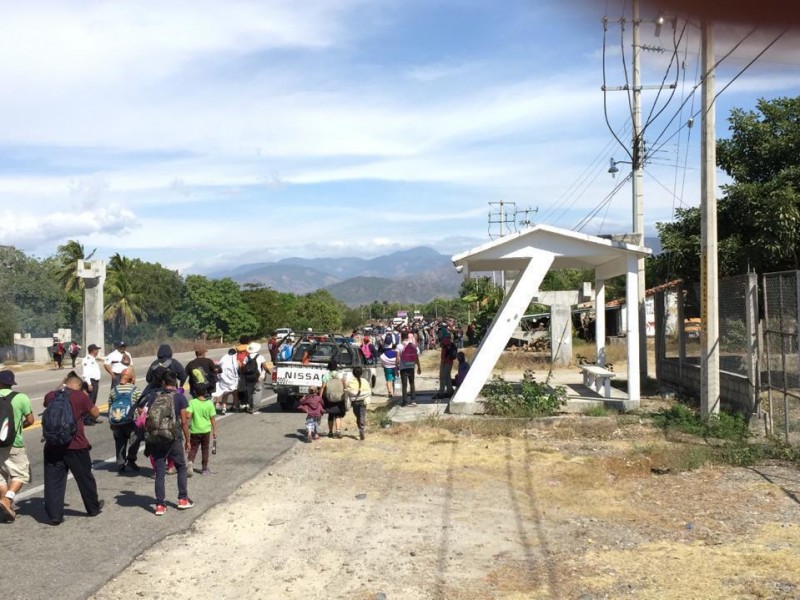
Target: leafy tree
758,225
214,307
31,296
123,299
487,298
161,290
68,256
320,311
271,308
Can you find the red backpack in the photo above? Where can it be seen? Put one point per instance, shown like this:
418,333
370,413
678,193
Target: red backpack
409,354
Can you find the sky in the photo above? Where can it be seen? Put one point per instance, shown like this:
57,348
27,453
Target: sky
204,134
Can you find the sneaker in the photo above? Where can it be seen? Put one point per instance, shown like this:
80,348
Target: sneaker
338,435
224,409
205,472
361,434
121,468
132,464
172,471
160,510
331,434
189,469
185,503
413,403
100,506
316,436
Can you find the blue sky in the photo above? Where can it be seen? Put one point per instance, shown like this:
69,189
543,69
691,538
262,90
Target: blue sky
207,133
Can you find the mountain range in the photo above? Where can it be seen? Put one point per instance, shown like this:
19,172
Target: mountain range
414,276
417,275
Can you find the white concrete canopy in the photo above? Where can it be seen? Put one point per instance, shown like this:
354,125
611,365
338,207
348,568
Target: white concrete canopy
533,252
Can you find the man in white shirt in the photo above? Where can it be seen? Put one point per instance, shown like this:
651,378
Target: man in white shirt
91,378
116,362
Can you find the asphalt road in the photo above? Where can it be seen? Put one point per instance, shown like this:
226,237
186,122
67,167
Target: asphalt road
39,561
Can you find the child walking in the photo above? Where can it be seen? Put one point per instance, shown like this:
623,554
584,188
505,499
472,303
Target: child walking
202,426
312,405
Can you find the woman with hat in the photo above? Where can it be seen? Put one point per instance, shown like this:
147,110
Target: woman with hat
253,372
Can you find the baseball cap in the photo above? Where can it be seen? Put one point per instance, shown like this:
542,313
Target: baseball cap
7,377
121,343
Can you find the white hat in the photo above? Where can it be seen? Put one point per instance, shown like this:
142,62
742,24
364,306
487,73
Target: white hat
254,348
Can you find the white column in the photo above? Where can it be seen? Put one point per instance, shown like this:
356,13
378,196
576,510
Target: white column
600,320
632,327
505,322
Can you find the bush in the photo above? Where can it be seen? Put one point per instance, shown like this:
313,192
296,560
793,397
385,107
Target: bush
724,426
527,399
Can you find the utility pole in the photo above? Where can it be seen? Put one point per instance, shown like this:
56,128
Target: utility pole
637,165
709,289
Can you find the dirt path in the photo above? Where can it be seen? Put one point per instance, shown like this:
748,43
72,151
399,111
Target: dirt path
568,510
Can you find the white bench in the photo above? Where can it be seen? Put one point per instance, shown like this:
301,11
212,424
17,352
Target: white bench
595,377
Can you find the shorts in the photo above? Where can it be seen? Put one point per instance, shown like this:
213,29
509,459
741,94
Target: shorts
388,374
14,465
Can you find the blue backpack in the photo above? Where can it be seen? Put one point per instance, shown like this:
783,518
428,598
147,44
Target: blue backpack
58,420
121,410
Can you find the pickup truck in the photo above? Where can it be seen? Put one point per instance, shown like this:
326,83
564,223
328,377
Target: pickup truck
292,379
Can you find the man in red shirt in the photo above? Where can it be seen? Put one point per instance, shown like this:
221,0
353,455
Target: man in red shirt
73,458
448,355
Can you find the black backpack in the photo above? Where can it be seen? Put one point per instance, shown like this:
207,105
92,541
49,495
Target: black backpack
8,427
452,351
58,420
250,370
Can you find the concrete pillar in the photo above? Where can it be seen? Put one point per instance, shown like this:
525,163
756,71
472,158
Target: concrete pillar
561,334
660,315
632,330
93,274
505,322
753,355
600,320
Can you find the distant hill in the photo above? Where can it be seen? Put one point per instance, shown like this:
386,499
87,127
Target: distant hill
415,275
418,289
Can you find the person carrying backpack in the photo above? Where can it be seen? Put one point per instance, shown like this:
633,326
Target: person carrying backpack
74,351
122,401
15,469
368,351
66,449
253,372
447,357
58,353
163,362
359,392
333,393
166,437
409,359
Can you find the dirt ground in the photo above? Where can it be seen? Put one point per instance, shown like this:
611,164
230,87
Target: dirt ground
565,508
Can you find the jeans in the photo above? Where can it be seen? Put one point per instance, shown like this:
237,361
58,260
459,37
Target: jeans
407,380
445,380
360,411
126,442
160,455
201,440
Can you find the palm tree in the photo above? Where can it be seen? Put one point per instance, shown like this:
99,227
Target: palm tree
123,299
68,256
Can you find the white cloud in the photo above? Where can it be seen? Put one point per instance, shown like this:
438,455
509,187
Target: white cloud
28,231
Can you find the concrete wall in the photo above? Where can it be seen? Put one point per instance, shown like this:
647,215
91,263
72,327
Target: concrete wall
736,392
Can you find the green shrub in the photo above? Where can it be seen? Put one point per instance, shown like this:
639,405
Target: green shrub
724,426
526,399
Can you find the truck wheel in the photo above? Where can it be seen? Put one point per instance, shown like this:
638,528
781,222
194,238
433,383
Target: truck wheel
286,402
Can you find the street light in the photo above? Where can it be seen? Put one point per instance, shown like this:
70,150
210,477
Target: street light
614,169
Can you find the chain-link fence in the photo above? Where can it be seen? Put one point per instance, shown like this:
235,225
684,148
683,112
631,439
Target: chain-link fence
780,357
679,353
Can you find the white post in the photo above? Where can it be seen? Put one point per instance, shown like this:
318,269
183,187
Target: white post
709,290
600,321
632,329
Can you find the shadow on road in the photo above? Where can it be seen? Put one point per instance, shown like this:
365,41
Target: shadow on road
35,508
129,498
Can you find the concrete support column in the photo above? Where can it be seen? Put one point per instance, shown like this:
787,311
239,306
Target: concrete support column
505,322
753,355
632,329
93,274
561,334
600,320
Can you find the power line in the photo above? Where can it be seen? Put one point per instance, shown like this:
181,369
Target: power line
588,218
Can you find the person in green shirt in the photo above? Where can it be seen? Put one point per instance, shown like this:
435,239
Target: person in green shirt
202,426
15,470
